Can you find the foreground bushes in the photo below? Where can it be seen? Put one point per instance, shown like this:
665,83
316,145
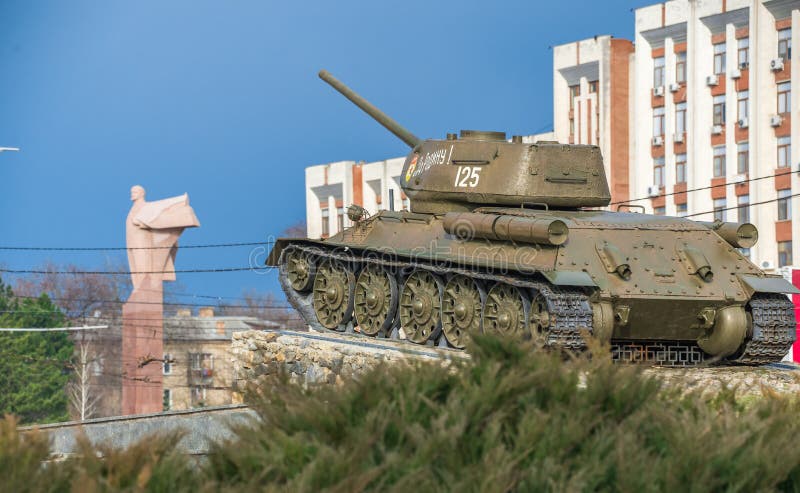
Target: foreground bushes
507,420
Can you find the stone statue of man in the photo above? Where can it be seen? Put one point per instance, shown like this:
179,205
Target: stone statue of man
152,230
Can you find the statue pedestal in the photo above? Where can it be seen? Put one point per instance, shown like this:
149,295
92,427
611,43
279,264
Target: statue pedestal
143,349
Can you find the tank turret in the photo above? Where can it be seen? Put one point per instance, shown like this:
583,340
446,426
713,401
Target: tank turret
481,168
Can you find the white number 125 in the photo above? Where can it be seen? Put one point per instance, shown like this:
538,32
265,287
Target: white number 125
467,176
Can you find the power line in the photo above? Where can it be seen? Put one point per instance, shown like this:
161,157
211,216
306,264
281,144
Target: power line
742,206
104,249
165,303
209,297
115,273
53,329
709,187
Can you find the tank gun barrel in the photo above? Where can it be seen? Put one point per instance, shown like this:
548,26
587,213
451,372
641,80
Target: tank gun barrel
401,132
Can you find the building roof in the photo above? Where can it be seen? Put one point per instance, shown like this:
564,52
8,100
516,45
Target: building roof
199,328
203,327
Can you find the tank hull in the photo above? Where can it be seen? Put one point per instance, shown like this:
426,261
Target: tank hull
645,284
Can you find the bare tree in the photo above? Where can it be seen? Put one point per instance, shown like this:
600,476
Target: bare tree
296,230
265,306
80,296
93,299
83,396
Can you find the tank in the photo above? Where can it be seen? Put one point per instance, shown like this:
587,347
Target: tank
509,237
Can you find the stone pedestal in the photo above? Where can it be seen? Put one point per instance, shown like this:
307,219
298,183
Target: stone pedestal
143,349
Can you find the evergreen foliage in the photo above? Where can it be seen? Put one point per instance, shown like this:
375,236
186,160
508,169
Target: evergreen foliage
508,420
34,367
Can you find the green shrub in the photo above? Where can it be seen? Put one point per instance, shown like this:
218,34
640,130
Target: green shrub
512,419
509,419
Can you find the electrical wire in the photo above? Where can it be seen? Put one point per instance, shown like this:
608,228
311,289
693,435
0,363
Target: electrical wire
111,249
743,205
240,269
165,303
709,187
52,329
115,273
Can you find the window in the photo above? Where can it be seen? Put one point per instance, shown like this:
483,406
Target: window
719,161
785,44
326,230
593,86
680,118
743,104
658,121
680,67
574,92
719,210
719,110
658,172
742,158
167,364
571,127
680,168
743,203
744,53
784,205
658,71
198,396
681,209
340,219
784,151
167,400
201,361
784,97
660,211
719,58
784,253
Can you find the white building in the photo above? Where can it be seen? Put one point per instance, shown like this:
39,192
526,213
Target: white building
331,188
715,78
590,102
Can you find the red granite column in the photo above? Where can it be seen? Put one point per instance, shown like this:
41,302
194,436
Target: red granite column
143,348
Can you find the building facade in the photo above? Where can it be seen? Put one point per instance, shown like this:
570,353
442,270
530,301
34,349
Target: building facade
331,188
591,100
712,85
710,117
197,366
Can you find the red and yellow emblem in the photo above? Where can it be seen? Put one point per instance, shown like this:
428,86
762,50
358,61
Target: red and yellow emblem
411,167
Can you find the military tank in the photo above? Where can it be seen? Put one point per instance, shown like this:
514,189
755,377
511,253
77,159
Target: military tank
509,237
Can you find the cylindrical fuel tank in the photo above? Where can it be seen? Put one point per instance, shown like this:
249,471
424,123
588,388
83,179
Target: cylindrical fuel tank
542,230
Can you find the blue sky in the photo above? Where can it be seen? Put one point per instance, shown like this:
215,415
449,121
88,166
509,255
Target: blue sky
221,100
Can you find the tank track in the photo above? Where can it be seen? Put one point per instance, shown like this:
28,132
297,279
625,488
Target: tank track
774,329
570,311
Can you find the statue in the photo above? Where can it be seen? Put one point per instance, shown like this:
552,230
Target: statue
151,230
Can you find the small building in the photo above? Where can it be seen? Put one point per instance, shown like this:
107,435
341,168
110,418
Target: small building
332,187
197,365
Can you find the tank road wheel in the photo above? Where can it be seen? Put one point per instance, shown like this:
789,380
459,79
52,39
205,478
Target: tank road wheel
421,306
504,310
333,294
461,309
375,300
539,319
300,270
